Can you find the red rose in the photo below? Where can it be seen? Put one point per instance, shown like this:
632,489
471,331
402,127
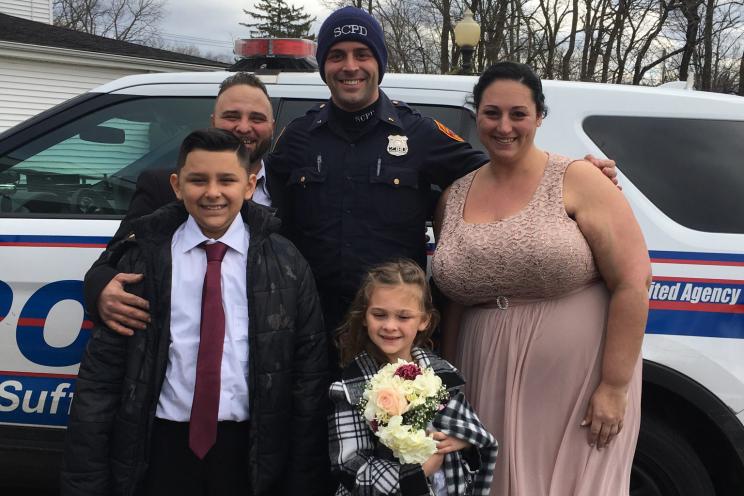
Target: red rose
408,372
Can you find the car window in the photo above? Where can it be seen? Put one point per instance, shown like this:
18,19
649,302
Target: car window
291,109
90,165
459,119
691,169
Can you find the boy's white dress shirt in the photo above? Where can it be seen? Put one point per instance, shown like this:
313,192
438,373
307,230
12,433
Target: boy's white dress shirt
189,268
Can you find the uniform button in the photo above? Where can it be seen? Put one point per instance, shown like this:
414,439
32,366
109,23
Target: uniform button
319,121
391,119
396,181
302,179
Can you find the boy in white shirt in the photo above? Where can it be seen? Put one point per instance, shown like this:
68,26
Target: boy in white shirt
225,392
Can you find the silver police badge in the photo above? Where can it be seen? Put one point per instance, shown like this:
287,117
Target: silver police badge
397,145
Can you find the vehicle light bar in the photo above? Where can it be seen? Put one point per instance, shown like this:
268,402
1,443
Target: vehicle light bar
275,47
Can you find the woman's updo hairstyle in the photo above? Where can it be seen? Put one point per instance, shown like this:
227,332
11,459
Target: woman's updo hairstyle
515,72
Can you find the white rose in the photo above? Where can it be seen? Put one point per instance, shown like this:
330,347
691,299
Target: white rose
408,445
428,384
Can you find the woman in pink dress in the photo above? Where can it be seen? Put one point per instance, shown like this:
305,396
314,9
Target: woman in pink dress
547,272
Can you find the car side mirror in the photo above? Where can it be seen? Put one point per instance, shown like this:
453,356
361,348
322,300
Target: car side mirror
8,182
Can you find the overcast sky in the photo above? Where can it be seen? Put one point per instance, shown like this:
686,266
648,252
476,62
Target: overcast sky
213,28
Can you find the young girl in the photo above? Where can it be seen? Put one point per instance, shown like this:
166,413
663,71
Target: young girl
393,317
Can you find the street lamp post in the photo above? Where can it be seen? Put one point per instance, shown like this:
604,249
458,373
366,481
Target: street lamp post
467,36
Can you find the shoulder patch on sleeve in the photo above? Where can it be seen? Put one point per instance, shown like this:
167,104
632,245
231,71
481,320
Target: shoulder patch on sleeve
447,131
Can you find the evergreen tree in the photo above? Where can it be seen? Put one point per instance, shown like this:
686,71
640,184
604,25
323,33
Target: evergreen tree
277,19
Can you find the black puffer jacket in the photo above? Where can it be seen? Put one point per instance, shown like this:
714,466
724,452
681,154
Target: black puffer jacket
120,377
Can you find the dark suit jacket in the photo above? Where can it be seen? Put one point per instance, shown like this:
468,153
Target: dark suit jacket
152,192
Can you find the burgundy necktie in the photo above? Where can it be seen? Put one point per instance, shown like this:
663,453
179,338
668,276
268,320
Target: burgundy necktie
206,403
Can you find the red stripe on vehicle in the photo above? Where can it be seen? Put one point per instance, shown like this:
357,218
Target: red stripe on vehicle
695,307
36,374
28,322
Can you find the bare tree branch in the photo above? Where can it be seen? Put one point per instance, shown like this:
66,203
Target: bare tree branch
136,21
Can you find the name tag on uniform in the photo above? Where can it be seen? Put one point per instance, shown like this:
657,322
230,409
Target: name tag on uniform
397,145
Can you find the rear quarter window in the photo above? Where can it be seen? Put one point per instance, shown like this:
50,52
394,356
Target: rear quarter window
691,169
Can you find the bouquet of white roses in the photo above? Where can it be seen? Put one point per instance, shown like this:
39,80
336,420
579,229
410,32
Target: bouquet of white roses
399,402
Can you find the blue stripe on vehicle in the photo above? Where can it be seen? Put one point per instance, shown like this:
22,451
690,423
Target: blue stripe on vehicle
35,400
704,324
15,238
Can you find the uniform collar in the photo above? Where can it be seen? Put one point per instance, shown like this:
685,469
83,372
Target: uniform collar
386,113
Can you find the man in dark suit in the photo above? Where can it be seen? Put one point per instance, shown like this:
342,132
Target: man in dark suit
243,108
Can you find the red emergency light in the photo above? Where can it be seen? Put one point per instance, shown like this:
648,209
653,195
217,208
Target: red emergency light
275,47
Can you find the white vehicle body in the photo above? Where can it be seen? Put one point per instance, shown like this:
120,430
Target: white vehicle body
696,323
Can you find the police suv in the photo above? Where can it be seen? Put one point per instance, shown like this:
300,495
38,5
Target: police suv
66,177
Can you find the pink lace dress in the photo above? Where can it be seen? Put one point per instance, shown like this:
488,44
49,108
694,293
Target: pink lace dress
531,340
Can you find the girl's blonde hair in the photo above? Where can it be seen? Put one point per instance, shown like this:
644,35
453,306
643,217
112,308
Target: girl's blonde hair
352,337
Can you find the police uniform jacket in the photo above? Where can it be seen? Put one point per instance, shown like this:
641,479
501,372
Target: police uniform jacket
352,202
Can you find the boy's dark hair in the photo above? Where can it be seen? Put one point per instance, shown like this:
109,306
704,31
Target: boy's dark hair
513,71
213,140
352,337
243,78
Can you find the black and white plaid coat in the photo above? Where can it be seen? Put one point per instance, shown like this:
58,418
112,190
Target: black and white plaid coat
366,467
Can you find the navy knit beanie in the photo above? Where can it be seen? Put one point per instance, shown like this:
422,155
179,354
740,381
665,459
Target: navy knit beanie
351,24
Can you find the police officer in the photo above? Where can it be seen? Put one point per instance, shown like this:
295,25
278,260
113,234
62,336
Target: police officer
352,179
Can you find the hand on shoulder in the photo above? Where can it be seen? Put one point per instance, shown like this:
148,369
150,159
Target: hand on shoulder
585,185
607,166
